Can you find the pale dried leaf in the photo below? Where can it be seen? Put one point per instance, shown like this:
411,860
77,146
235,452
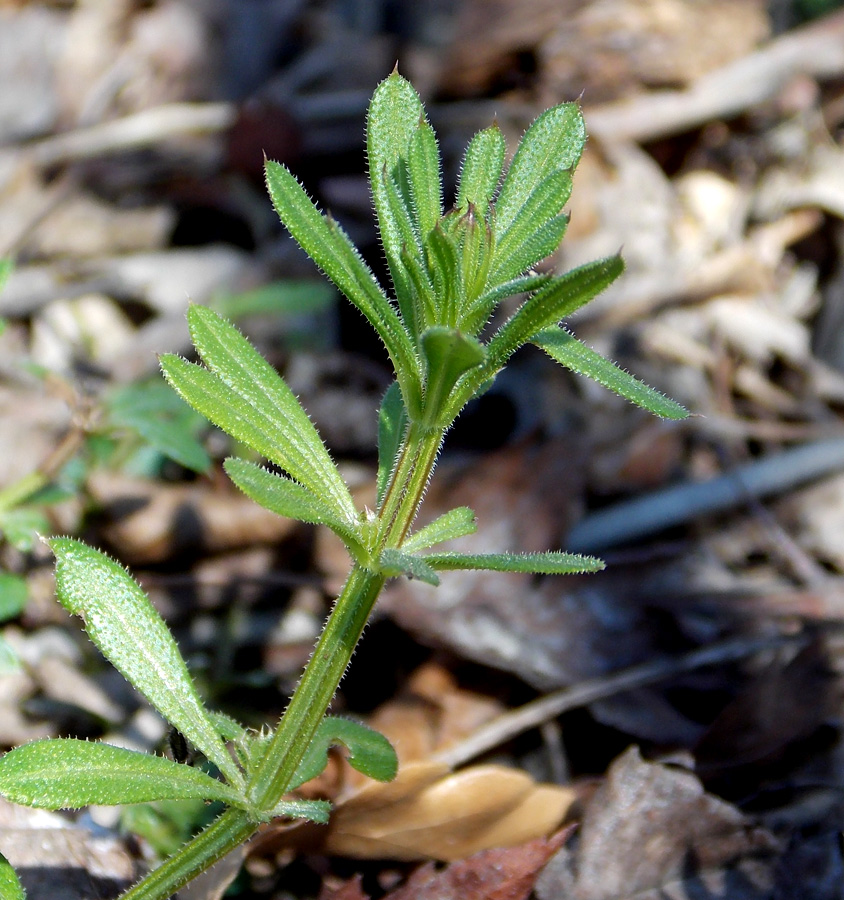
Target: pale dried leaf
428,813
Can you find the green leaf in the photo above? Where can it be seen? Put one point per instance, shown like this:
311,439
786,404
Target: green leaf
406,244
477,315
476,257
162,419
130,633
549,563
443,259
318,811
554,141
287,498
423,164
22,525
368,751
329,247
481,170
10,886
67,774
456,523
558,298
395,113
392,424
13,594
448,355
520,247
395,563
564,347
290,297
227,727
259,396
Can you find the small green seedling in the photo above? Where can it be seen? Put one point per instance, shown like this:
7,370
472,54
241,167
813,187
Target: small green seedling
451,270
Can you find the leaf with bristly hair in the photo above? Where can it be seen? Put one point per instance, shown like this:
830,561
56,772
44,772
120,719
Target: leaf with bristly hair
549,563
287,498
554,141
567,350
392,424
395,563
66,773
368,751
456,523
481,170
129,632
330,248
10,886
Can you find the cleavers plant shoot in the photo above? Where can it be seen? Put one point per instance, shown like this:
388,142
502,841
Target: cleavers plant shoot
447,339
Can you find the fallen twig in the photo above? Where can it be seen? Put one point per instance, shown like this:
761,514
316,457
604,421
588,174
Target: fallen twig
816,49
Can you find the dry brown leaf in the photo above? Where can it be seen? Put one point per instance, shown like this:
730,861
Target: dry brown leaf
429,813
430,714
651,832
501,874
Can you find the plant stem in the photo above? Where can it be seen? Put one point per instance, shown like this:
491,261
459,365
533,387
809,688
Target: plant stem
410,478
315,691
222,836
352,609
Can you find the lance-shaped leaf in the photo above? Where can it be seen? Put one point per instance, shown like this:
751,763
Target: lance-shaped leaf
287,498
557,299
394,115
406,244
477,315
567,350
129,632
258,386
540,208
392,424
443,257
456,523
395,563
67,774
317,811
554,141
448,355
535,247
368,751
550,563
476,257
481,170
423,166
330,248
10,886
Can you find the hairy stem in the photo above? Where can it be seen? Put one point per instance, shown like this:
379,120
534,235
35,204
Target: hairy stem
222,836
410,478
319,683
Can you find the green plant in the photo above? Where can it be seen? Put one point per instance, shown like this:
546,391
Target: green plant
450,273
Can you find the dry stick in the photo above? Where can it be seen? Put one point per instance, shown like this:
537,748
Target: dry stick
816,49
535,713
143,129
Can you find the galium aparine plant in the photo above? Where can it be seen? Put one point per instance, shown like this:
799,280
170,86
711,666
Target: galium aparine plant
451,269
